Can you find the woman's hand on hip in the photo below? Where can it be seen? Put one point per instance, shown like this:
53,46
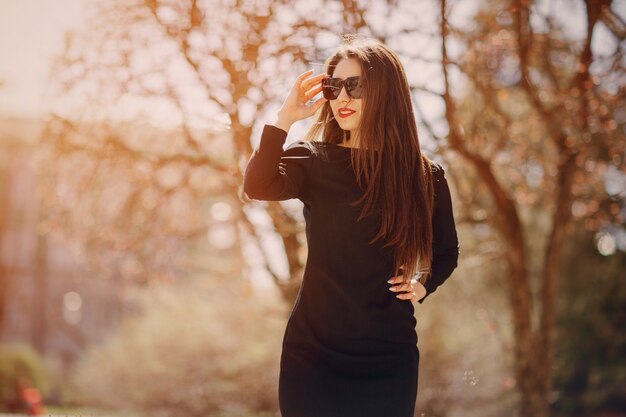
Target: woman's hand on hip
415,288
295,106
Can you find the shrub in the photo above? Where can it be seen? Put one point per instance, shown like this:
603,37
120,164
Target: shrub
19,362
187,353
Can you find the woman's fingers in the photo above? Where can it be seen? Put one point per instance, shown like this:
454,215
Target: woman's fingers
299,85
410,295
401,287
310,82
304,74
406,296
318,102
409,287
309,94
297,105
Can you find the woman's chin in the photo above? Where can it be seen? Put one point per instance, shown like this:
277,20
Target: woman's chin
345,126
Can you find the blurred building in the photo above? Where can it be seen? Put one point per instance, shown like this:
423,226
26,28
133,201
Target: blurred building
42,297
47,298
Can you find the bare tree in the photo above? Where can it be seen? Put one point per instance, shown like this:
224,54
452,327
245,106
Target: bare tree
532,115
231,58
538,124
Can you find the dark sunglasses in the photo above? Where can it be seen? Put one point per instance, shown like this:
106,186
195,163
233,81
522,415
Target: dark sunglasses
331,87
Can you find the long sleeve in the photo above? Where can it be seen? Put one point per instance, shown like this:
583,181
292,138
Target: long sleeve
445,241
273,174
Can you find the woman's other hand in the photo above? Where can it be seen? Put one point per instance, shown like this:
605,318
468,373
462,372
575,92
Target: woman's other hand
415,288
295,106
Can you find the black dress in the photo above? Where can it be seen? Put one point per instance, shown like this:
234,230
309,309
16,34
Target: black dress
350,346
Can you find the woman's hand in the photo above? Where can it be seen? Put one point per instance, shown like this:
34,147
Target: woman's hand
294,107
415,288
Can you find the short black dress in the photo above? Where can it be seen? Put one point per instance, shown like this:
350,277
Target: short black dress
350,346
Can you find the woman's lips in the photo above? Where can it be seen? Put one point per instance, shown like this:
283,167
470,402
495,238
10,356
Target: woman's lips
345,113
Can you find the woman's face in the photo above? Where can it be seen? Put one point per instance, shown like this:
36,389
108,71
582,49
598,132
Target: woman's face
347,68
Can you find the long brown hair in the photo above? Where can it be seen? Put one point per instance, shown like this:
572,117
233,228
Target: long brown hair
399,182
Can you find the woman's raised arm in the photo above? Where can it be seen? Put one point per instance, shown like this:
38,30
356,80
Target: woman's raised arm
273,174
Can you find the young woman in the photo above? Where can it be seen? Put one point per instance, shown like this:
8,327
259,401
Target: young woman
378,212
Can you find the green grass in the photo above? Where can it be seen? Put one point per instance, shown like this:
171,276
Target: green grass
61,411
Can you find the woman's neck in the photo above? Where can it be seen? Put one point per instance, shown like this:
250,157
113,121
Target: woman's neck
352,143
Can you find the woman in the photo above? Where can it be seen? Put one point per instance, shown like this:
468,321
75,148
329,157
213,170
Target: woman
377,212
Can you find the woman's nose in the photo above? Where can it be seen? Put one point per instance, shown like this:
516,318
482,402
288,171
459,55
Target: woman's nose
343,94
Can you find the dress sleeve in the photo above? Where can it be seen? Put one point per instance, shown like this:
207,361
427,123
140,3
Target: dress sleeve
445,241
273,174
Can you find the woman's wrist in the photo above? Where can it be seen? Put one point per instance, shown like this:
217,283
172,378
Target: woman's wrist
282,122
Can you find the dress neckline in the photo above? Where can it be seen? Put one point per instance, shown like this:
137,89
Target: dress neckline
340,146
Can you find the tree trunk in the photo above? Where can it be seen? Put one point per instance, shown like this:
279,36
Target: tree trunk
40,295
4,275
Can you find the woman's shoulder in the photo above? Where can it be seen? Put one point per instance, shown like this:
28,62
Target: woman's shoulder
301,148
311,148
436,169
438,177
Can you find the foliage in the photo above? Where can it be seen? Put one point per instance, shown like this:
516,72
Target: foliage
590,373
530,120
20,362
187,353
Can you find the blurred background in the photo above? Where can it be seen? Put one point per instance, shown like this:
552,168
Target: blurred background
137,280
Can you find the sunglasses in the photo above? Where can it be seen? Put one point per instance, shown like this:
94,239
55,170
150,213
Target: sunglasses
331,87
